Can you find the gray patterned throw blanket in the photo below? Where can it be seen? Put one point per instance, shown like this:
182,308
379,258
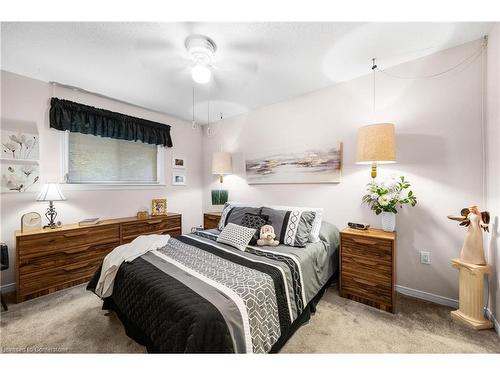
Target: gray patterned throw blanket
197,295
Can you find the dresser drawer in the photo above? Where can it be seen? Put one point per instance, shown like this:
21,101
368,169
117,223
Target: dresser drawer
34,282
374,245
39,245
383,279
66,257
210,221
151,226
380,253
373,289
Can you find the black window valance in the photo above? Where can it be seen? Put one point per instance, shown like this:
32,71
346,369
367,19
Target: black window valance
80,118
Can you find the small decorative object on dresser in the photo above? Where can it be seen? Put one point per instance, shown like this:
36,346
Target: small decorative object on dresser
368,267
158,207
31,221
472,250
142,214
90,221
211,220
48,260
384,197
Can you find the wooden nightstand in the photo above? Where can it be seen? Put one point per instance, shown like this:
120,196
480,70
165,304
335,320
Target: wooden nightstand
211,220
368,267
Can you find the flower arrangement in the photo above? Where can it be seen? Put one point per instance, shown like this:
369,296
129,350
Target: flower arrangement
385,197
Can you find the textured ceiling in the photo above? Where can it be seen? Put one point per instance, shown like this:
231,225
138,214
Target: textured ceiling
256,64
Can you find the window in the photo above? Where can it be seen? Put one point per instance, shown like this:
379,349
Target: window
93,159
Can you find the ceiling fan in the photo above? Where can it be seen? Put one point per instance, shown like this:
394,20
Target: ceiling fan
197,57
201,50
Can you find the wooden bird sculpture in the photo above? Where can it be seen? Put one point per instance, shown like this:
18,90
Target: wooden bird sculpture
473,220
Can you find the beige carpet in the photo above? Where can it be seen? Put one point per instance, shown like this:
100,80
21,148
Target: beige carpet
72,321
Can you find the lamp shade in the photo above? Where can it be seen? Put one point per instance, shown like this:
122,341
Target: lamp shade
376,143
51,192
221,163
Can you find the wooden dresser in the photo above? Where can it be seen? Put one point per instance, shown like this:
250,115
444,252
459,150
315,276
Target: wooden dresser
211,220
368,267
48,260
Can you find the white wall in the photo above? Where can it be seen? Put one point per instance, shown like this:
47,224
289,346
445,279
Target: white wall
26,99
438,126
493,163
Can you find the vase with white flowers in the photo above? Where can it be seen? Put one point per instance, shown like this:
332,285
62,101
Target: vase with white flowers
385,197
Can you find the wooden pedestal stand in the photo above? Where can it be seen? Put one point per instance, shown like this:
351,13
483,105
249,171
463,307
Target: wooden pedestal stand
470,309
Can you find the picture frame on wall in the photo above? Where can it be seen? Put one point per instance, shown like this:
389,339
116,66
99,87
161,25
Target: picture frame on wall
19,169
178,163
179,179
296,165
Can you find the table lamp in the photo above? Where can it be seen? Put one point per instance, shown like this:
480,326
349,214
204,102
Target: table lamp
50,193
376,144
221,164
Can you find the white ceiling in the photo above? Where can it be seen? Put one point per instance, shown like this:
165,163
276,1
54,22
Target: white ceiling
256,63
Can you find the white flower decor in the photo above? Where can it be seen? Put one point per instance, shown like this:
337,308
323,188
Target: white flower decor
386,196
19,146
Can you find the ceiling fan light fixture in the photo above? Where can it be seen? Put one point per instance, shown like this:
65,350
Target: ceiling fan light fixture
201,50
201,73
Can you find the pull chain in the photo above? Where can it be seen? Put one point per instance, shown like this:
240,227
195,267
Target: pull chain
374,67
193,123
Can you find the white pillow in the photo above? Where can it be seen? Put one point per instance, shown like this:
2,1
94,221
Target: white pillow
236,236
316,224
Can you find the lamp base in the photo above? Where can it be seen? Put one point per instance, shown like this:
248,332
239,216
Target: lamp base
51,214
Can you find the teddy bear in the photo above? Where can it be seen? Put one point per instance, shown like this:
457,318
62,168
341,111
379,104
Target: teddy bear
267,236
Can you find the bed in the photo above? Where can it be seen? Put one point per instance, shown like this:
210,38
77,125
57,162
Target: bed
196,295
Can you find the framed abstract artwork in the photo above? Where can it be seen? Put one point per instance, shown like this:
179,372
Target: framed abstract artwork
296,166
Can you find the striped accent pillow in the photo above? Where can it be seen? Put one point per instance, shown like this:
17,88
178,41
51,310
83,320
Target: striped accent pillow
292,228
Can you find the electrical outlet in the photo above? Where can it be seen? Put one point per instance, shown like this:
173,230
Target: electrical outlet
425,257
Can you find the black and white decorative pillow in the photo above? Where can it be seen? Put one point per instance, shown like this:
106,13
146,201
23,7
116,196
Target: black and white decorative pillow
256,222
236,236
233,212
292,228
223,215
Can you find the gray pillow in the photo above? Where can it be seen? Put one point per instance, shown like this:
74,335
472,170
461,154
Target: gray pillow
292,228
234,213
237,214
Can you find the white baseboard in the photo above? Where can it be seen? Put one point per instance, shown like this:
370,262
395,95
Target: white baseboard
491,317
427,296
442,301
8,288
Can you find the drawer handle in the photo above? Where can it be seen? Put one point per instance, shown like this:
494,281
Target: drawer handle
363,241
72,268
78,250
154,222
364,282
75,234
